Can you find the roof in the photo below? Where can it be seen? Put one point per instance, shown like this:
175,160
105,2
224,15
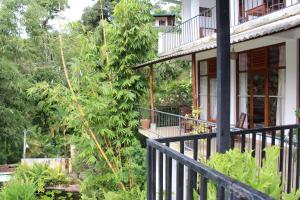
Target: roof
278,21
163,15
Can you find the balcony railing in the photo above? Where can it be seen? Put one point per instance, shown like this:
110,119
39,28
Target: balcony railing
165,124
191,30
204,24
168,177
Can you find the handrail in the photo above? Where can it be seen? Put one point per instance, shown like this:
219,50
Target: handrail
212,124
233,188
186,21
178,26
253,140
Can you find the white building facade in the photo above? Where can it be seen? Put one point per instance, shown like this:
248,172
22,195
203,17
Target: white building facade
264,62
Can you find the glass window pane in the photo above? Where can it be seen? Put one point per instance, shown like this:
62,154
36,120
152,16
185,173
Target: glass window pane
244,61
277,56
213,98
203,68
258,87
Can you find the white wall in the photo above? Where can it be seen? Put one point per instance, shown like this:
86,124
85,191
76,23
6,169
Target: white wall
194,9
207,3
186,10
291,98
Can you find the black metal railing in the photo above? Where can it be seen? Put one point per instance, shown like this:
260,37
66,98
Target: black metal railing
171,125
256,8
174,170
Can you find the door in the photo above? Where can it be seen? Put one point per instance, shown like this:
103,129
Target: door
257,88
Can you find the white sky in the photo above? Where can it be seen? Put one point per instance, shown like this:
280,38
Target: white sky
76,9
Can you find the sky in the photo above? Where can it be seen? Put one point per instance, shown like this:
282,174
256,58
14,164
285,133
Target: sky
76,9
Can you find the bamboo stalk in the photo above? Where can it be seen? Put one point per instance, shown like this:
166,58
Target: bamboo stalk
80,109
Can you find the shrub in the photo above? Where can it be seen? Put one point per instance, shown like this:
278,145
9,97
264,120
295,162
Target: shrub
243,167
41,175
18,190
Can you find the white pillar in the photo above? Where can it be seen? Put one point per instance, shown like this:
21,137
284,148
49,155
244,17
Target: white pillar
291,90
234,12
233,91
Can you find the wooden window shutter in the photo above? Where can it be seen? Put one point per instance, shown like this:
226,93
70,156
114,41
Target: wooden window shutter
259,58
212,66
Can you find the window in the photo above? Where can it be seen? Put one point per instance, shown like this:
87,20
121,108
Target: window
205,12
261,85
208,89
170,21
162,22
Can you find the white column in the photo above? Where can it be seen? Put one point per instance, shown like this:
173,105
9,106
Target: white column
233,91
234,12
291,91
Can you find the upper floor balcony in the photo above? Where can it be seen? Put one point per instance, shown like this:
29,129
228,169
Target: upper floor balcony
244,16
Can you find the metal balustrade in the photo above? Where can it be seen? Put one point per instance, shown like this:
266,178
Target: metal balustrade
204,24
191,30
166,124
174,170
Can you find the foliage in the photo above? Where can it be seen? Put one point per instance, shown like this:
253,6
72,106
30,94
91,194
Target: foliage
40,175
158,8
14,111
121,195
25,58
108,90
92,15
176,94
18,190
172,85
266,179
292,196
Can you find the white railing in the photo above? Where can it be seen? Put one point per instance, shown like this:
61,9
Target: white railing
204,24
191,30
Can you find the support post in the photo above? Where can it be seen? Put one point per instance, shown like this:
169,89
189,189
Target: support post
194,80
223,76
151,94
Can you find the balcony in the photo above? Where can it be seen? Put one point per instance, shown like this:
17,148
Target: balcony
204,25
177,173
159,124
200,26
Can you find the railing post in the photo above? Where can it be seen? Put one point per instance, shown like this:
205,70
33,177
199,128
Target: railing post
223,76
151,94
149,172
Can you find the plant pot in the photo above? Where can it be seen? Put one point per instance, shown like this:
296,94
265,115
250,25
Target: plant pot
145,123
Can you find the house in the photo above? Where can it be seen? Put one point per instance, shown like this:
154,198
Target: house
264,85
163,20
264,62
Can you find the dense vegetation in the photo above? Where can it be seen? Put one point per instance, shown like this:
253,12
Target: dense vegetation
75,86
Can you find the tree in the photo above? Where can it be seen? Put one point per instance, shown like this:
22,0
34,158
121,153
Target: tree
14,111
107,90
25,36
92,15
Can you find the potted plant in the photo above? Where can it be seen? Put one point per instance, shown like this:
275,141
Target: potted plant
145,120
